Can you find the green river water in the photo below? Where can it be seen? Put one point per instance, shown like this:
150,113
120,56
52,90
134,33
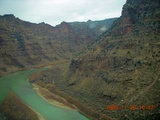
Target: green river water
17,83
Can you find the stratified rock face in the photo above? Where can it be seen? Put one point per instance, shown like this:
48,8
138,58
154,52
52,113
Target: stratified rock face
122,68
24,44
136,16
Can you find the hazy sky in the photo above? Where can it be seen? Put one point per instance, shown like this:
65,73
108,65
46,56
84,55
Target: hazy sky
56,11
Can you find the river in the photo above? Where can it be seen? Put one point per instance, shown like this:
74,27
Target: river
17,82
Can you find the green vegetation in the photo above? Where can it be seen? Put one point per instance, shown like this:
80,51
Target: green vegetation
2,116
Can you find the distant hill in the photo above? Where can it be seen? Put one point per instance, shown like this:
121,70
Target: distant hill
95,27
24,44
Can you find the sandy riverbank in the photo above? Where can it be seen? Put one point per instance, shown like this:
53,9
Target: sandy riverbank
40,117
53,98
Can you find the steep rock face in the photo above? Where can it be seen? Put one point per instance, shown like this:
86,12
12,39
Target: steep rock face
24,44
122,66
138,16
